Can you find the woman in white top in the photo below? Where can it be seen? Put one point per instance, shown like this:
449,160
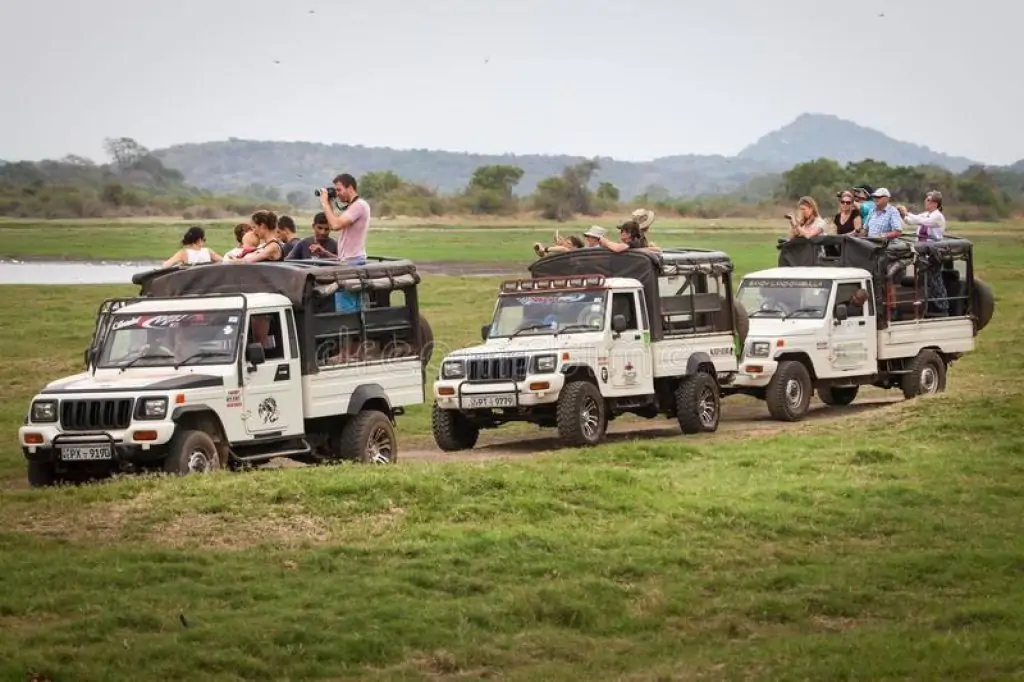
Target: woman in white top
808,221
193,250
931,225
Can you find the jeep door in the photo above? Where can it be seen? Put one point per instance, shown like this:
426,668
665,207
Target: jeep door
853,342
629,352
272,394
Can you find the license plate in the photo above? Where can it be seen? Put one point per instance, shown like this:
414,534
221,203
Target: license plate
478,401
81,453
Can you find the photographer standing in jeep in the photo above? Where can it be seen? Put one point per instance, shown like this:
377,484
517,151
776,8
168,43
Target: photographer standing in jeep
350,214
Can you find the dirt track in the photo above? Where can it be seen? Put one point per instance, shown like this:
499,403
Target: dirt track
742,418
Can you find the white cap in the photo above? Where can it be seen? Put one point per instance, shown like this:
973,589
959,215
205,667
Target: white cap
595,231
881,192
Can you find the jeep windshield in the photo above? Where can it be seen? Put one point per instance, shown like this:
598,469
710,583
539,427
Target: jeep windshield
785,298
537,313
171,339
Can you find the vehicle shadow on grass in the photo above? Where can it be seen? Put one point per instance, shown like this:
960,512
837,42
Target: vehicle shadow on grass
749,420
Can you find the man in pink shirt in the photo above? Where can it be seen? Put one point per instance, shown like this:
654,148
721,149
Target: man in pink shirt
350,214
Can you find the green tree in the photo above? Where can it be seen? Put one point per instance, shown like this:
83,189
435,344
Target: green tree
498,178
606,191
378,184
554,198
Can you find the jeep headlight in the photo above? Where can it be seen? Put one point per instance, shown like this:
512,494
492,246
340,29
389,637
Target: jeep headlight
44,411
760,349
152,408
545,363
453,369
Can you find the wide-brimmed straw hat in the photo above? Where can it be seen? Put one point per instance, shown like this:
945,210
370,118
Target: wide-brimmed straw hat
644,217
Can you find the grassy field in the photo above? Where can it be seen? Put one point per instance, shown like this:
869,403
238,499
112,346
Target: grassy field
494,241
883,546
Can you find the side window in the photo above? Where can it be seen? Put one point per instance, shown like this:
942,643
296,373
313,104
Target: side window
844,292
869,307
642,303
293,340
265,329
624,303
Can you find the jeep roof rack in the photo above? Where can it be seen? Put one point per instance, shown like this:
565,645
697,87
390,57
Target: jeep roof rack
299,281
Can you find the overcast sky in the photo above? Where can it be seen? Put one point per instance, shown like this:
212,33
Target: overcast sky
632,80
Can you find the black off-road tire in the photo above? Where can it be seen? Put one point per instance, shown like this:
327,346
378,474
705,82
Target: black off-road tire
838,395
369,438
581,414
926,375
427,349
41,474
983,304
789,392
191,452
698,404
453,431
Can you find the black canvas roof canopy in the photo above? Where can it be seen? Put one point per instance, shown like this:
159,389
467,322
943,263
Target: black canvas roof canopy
299,281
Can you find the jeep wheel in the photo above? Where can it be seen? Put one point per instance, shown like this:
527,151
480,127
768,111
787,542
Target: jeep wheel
191,452
789,392
927,375
369,437
41,474
452,430
581,417
838,395
698,405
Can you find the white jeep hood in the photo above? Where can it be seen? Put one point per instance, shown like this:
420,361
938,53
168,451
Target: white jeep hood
763,327
162,378
532,344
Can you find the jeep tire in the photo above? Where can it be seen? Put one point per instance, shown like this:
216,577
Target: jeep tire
41,474
838,395
698,405
453,431
926,375
191,452
789,392
580,414
369,437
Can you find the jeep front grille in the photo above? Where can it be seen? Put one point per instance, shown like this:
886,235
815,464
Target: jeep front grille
96,415
511,368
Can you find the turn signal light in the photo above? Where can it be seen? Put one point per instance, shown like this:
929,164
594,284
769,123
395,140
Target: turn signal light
34,438
144,436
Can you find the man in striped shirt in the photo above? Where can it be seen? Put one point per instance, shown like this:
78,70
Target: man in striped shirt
884,221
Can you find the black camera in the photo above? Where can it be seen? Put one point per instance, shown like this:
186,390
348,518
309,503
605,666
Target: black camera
332,193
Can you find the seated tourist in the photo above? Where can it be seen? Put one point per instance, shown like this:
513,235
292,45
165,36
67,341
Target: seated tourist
807,222
644,218
193,250
319,245
931,225
630,237
247,242
286,234
562,244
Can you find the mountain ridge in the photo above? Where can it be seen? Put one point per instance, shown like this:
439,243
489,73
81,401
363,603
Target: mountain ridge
235,163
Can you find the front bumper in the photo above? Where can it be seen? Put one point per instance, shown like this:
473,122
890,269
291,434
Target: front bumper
532,391
142,441
755,372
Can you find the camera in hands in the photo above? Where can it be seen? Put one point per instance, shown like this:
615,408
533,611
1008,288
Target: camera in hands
332,193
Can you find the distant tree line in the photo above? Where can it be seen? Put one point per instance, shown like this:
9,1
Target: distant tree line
135,182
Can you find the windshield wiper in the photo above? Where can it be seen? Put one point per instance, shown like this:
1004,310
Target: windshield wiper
576,326
145,356
775,311
202,354
801,310
531,327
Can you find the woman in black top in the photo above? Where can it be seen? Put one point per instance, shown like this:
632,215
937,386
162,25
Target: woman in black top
847,221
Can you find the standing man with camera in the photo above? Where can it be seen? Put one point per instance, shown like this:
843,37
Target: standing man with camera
350,214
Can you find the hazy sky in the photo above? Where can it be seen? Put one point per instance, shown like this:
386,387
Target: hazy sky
632,80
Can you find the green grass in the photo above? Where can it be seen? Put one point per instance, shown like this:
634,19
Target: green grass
497,242
883,546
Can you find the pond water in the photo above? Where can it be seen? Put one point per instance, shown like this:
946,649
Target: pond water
69,272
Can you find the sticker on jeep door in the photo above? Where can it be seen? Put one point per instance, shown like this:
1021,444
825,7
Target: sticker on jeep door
723,350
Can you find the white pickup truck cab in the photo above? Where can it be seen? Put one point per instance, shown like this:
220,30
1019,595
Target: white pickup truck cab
843,312
228,364
592,335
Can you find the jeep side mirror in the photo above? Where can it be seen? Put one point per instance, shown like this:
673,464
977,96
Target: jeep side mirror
484,330
842,312
619,324
254,354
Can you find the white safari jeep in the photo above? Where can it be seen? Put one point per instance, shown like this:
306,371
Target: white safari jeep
592,335
843,312
218,365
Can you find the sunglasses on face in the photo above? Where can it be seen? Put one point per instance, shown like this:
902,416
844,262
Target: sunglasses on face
845,202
